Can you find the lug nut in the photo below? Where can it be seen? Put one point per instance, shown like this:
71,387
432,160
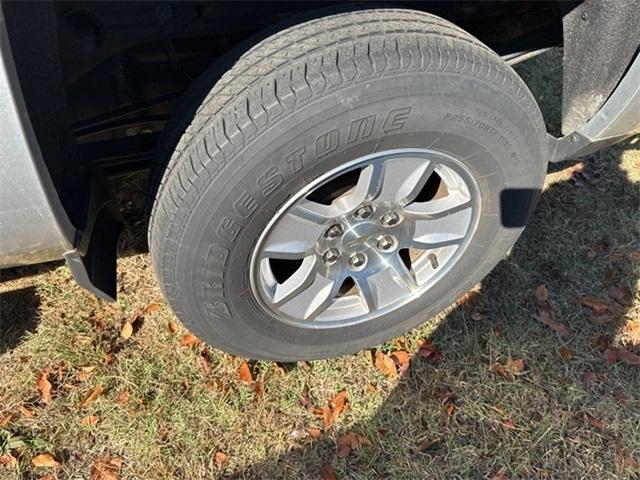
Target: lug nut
357,260
334,231
386,243
364,212
391,219
331,256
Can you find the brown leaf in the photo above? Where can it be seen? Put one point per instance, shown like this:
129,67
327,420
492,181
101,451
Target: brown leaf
429,350
220,458
151,308
7,459
244,372
258,389
44,386
172,327
595,422
89,421
350,441
547,316
336,407
314,432
106,468
85,373
27,411
500,474
90,397
620,295
510,369
385,364
628,357
565,353
507,423
611,355
450,408
44,460
122,398
428,445
190,340
542,294
599,342
597,305
327,473
402,360
4,421
203,359
126,331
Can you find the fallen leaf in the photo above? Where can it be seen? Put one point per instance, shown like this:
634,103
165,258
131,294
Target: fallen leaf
203,359
336,407
595,422
385,364
152,308
85,373
371,388
599,342
89,421
402,360
628,357
597,305
258,389
45,460
500,474
245,374
4,421
44,386
565,353
27,411
477,316
190,340
7,459
507,423
425,445
122,398
429,350
126,331
106,468
172,327
548,317
220,458
620,295
541,293
350,441
611,355
450,408
314,432
327,473
510,369
90,397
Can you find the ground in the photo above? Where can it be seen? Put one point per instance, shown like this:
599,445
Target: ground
514,381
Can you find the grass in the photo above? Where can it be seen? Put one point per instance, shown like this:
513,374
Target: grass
557,418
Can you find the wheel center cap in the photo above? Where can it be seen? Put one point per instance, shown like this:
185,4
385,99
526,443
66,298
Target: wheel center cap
360,233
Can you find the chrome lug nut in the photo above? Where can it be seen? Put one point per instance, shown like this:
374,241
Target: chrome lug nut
386,243
334,231
357,260
391,219
363,212
331,256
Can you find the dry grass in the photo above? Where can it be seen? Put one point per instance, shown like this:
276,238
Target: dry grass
560,419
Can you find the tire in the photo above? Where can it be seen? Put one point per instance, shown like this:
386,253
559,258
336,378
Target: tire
253,143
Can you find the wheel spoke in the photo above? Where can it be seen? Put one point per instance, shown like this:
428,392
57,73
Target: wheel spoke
403,178
442,230
366,189
386,286
296,233
312,298
296,283
440,207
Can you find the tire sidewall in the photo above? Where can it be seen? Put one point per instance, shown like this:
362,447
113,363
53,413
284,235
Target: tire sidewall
471,120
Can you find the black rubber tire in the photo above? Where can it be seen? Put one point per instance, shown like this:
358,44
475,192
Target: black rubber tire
423,81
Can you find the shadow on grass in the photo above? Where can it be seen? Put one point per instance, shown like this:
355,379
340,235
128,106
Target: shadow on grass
18,315
535,425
